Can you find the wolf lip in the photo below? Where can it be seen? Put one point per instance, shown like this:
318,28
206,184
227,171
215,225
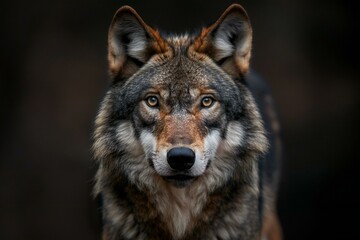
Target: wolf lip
180,177
180,180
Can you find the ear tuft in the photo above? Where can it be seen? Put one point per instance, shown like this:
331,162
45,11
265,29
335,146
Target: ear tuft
131,42
228,40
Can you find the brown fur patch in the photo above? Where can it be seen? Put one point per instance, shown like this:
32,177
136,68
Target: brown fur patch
271,228
161,45
202,43
182,131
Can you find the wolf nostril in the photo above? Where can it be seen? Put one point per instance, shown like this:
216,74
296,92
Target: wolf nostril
181,158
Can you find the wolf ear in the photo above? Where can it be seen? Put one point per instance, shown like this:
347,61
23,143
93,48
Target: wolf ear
131,43
228,40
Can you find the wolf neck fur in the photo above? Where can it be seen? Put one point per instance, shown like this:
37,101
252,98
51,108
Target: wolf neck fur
179,207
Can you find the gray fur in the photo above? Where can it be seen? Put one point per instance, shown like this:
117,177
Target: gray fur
225,197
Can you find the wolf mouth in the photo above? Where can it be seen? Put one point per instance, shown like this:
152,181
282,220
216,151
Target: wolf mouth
180,180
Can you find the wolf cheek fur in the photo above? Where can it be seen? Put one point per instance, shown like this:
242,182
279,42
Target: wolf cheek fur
179,141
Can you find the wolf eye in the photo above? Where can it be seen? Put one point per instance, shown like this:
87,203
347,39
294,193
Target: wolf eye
207,102
152,101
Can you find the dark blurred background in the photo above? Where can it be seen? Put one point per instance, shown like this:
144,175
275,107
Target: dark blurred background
54,74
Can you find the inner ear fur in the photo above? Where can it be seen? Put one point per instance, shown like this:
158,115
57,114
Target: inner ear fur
228,41
131,42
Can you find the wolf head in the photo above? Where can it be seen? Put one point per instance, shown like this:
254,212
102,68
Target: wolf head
178,109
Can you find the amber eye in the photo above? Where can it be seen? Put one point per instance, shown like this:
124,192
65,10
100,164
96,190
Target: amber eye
207,102
152,101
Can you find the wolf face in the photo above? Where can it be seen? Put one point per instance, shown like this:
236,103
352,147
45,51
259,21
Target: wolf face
180,118
176,103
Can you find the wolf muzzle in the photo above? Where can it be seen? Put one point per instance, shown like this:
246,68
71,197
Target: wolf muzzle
181,158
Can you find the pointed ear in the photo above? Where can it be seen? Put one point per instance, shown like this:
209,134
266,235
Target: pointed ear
228,41
131,43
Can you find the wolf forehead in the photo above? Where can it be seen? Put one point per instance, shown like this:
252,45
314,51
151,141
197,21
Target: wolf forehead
143,61
179,75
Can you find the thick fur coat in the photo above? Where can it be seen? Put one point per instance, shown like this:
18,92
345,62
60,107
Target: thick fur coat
180,143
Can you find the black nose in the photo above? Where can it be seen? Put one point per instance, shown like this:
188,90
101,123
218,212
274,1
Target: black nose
181,158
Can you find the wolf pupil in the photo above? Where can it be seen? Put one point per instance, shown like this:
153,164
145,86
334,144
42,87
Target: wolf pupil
206,102
152,101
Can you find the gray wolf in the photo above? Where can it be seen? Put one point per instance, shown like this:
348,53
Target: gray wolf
183,151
